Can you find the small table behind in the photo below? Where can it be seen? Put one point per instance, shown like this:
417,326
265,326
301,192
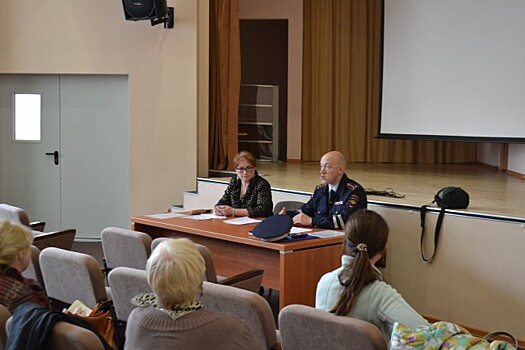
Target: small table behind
294,268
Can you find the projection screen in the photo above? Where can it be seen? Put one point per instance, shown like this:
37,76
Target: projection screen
453,70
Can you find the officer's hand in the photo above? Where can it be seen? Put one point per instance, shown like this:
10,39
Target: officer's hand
302,219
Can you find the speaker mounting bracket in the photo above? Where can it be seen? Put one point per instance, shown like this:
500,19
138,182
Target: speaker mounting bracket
168,19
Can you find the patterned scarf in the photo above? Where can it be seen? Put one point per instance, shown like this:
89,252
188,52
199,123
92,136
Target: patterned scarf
175,311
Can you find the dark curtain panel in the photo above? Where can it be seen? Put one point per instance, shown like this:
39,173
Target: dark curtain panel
225,80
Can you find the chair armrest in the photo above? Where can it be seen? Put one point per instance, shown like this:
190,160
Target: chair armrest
249,280
38,225
60,239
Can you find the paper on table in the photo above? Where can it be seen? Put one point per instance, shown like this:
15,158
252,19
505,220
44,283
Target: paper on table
166,215
243,220
295,230
326,234
204,217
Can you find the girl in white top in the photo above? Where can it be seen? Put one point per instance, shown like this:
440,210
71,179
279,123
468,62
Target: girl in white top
357,289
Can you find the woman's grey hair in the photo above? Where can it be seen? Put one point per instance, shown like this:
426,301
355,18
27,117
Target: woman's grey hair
175,272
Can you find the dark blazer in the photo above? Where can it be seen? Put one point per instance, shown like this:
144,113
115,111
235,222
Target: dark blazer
257,199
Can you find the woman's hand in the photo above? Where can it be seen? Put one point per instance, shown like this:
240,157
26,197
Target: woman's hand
224,210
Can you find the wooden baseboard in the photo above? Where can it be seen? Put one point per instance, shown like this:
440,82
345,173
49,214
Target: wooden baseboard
515,174
293,161
476,331
489,166
508,172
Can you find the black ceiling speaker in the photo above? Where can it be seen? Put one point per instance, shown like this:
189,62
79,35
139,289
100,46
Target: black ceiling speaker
157,11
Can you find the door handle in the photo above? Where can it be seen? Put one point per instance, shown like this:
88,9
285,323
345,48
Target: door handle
55,154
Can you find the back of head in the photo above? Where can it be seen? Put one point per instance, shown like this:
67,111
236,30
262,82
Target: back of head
366,236
175,272
369,228
14,238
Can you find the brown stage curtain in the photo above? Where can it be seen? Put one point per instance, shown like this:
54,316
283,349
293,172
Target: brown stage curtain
225,80
341,87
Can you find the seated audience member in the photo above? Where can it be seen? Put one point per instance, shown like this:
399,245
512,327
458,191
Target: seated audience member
15,257
247,194
172,317
335,199
357,289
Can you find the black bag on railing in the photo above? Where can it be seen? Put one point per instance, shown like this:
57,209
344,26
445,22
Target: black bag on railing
446,198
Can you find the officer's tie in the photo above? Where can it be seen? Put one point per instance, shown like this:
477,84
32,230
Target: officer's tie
331,196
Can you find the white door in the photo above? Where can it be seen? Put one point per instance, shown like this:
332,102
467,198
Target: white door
94,139
88,127
29,178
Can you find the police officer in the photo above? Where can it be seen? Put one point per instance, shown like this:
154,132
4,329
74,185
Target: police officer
335,199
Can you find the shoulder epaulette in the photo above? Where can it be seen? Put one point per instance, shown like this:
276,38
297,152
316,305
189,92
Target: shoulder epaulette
352,185
320,186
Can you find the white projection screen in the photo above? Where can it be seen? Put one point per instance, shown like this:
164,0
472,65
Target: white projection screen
453,70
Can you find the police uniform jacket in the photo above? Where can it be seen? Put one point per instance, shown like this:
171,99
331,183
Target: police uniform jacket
350,196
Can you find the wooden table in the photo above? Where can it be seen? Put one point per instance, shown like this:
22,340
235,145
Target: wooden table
294,268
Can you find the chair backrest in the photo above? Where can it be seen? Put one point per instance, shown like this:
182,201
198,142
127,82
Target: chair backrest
250,307
248,280
124,247
14,214
69,276
210,274
290,206
126,283
4,316
157,241
34,271
303,327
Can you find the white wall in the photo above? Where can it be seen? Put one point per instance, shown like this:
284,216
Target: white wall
517,158
292,10
488,153
477,275
92,37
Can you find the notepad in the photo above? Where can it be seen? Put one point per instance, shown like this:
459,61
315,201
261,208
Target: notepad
327,234
166,215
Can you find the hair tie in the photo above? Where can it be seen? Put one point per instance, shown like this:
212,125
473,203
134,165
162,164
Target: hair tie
362,247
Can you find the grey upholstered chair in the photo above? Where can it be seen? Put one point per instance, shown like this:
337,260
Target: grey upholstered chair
19,215
34,271
4,316
289,205
69,276
303,327
61,239
124,247
250,280
253,309
126,283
